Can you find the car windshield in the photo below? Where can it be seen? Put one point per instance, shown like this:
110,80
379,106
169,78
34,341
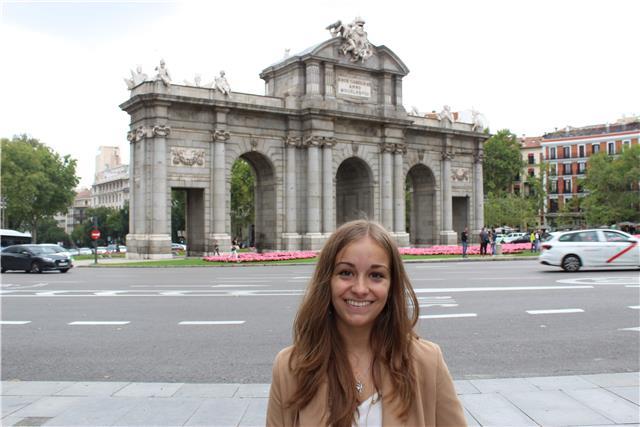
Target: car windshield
43,250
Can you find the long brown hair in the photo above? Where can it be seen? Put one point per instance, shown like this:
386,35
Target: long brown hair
318,351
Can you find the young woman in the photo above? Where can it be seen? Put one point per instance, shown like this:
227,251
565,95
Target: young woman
355,358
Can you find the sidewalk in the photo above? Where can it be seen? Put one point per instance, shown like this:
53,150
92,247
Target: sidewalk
601,399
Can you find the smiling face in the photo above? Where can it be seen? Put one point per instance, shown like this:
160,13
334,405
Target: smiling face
360,284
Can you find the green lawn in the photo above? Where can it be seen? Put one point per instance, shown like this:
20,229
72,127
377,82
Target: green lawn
199,262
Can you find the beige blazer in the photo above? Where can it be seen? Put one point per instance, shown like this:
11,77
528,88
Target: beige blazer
436,402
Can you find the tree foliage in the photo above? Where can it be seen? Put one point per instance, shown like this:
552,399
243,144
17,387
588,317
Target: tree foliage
509,209
178,213
242,197
112,223
502,162
36,182
612,185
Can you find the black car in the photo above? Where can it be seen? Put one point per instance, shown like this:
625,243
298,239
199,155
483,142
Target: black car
35,258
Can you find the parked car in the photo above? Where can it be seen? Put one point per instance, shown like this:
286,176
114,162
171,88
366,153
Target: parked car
178,247
35,258
100,250
591,248
85,251
512,237
113,249
73,251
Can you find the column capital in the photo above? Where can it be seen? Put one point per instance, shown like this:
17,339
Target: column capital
142,132
400,149
448,155
328,141
292,141
220,135
478,157
318,141
161,130
387,147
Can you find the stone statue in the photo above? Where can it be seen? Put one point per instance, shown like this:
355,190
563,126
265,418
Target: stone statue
197,80
446,114
414,111
221,84
478,124
137,77
163,73
356,42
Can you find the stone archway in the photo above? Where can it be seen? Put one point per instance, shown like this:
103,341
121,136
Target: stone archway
354,191
422,213
265,227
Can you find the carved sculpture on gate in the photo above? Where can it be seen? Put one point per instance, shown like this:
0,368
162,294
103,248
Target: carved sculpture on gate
460,174
356,42
187,157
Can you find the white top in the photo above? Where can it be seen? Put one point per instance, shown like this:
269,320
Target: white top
370,412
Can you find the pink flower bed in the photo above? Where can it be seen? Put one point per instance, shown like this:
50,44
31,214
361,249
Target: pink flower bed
507,248
266,256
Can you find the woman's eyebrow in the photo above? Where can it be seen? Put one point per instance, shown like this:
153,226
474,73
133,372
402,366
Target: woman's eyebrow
372,265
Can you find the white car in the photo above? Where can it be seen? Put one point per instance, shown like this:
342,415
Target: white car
572,250
513,236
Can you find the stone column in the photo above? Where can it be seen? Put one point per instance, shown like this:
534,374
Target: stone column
219,233
132,183
328,213
478,191
387,187
447,235
329,80
313,238
388,89
312,77
399,223
291,238
398,82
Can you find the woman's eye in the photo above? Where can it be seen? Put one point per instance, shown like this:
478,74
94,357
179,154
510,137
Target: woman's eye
344,273
377,276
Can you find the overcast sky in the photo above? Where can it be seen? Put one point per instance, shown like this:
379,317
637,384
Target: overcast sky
529,66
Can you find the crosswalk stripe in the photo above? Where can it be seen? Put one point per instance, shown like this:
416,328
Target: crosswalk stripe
14,322
212,322
558,311
92,323
443,316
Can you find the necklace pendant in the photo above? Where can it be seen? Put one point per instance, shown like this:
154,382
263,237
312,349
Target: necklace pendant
359,387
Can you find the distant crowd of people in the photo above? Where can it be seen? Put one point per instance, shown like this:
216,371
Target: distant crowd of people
488,239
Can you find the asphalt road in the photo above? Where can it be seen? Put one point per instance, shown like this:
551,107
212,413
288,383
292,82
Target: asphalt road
496,331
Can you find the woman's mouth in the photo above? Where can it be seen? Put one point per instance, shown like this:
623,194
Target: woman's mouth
356,303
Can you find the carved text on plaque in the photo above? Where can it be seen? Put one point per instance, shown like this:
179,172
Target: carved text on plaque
354,87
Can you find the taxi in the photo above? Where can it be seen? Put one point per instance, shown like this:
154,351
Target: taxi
573,250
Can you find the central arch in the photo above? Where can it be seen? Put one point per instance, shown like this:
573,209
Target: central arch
354,191
421,185
265,229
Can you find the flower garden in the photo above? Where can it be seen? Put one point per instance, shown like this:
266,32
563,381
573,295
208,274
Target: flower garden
243,257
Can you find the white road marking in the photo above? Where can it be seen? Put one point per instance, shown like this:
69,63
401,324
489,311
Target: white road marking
212,322
632,286
437,301
443,316
239,286
637,329
504,278
504,288
618,280
301,277
426,279
635,307
558,311
100,323
14,322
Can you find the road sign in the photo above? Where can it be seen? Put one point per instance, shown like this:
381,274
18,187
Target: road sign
95,234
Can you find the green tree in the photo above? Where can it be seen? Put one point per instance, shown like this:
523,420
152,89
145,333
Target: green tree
612,186
502,162
178,212
242,197
509,209
48,231
537,193
37,182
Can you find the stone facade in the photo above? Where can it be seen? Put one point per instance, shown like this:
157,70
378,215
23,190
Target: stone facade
329,142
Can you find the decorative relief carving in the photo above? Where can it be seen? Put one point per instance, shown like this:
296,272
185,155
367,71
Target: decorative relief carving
460,174
400,149
161,130
354,148
328,141
220,135
318,141
187,156
387,148
478,157
356,42
254,143
139,133
421,155
448,155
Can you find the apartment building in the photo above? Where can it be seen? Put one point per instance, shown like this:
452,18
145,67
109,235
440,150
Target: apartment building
76,214
531,153
111,187
567,152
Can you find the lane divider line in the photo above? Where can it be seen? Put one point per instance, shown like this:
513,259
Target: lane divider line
636,329
212,322
558,311
14,322
99,323
634,307
444,316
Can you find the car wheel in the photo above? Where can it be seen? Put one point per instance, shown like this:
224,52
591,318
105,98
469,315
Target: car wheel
571,263
35,268
64,270
3,270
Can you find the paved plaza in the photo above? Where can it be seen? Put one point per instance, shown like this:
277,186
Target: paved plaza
601,399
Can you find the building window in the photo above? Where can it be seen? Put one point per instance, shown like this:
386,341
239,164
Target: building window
532,173
554,187
626,144
553,168
582,166
566,167
595,148
567,186
531,159
611,148
552,152
553,205
581,151
566,152
580,187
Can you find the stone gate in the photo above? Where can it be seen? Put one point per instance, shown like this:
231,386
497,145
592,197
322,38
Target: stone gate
329,142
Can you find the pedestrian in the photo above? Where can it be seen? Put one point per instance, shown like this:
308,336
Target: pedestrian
234,250
536,241
484,239
356,358
464,237
216,248
532,239
493,241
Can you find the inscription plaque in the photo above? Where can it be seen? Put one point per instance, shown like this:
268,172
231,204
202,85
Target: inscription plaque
354,87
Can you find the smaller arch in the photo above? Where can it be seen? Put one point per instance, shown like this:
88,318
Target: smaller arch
354,191
421,205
